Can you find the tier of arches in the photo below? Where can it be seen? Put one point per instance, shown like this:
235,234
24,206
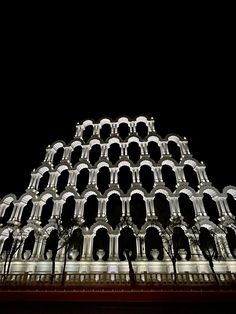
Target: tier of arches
124,174
101,243
160,204
114,149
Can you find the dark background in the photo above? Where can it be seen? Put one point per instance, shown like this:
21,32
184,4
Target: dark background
57,69
180,69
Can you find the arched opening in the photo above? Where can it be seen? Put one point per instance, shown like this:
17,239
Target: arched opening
46,212
7,245
43,182
58,156
82,180
76,155
191,177
62,180
123,130
168,176
232,204
180,242
174,151
114,210
154,151
134,152
76,245
94,154
211,208
141,129
26,213
51,244
124,178
153,241
7,214
137,210
146,178
162,209
28,246
186,209
103,179
101,242
105,131
114,153
231,239
207,244
127,241
90,210
68,211
87,133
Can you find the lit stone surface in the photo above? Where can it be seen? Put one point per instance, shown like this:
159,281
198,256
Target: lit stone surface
126,187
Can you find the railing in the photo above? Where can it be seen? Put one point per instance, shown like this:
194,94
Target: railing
108,279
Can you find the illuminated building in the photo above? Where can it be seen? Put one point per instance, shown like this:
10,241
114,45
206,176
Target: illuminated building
125,188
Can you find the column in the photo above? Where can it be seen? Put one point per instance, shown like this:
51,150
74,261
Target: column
164,148
79,130
72,178
138,248
67,153
50,152
79,207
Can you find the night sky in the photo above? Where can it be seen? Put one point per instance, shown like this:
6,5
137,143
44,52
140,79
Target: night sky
181,75
25,138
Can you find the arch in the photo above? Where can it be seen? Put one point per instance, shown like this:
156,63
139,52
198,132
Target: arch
46,213
87,132
76,155
68,211
137,210
90,210
174,150
82,180
127,240
231,239
76,244
154,151
142,129
123,130
191,176
168,176
105,131
146,177
186,209
153,241
94,153
43,182
52,244
114,210
101,242
180,241
28,245
207,244
124,178
231,201
62,180
211,208
162,209
6,213
58,156
26,212
103,179
114,153
134,152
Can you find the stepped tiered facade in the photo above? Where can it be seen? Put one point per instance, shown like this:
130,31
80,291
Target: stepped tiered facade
138,203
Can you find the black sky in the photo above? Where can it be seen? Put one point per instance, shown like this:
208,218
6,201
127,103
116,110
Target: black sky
182,75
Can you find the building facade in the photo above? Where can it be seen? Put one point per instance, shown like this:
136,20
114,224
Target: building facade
119,200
